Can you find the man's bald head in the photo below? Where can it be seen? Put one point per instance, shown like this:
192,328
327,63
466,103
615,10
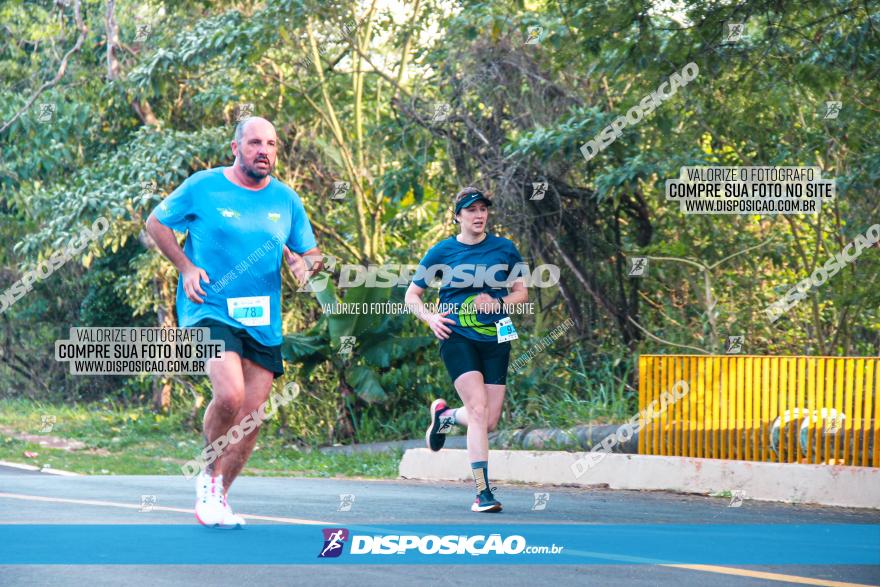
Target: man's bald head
256,121
255,147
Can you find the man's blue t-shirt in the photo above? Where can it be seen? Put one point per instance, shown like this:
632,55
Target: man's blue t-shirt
237,236
473,269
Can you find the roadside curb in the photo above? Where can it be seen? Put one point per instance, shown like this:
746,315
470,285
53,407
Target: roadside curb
50,471
833,485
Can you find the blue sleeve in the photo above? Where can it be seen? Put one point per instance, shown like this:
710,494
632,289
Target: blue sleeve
432,257
518,267
515,257
301,238
176,211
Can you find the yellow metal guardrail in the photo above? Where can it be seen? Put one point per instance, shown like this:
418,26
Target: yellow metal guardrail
757,408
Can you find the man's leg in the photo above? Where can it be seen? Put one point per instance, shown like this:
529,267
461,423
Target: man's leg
222,413
257,385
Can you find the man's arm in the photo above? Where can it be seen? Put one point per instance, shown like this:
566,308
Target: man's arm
304,265
167,243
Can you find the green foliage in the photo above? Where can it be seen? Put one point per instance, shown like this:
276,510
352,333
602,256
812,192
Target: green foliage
519,114
379,345
133,441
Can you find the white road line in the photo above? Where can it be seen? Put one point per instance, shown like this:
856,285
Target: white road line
129,506
48,471
767,576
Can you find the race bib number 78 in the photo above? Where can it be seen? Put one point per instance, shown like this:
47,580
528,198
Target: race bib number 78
252,311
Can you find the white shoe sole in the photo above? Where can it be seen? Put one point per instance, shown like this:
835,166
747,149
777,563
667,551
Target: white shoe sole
221,525
204,523
433,407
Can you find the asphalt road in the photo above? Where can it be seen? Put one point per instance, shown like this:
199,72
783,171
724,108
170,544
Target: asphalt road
35,498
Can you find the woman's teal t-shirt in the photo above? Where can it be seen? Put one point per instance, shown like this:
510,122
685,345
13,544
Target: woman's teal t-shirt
466,271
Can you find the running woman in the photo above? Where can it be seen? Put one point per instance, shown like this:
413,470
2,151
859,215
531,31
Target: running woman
240,221
474,337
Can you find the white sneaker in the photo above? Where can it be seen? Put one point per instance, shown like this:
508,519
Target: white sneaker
229,518
210,504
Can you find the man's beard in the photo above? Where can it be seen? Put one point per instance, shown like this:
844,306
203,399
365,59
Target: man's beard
255,172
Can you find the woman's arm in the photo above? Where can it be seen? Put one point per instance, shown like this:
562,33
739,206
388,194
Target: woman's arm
486,304
518,293
437,322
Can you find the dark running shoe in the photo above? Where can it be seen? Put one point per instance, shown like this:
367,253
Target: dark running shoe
486,502
435,436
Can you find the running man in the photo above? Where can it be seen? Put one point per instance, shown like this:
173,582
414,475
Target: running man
240,221
474,338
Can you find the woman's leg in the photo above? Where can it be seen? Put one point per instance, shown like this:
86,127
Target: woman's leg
495,394
474,414
466,362
496,403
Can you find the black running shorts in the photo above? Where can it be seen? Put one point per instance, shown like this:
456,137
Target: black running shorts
240,342
462,354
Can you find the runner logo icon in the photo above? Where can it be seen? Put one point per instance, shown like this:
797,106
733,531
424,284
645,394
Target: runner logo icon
334,539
